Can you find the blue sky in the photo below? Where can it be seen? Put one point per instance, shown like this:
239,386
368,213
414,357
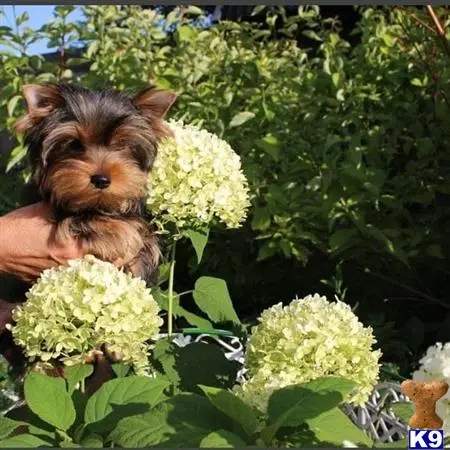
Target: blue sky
39,15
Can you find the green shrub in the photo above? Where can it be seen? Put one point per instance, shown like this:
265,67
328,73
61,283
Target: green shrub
344,148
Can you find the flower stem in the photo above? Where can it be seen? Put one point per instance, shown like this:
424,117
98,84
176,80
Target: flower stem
185,292
170,295
62,434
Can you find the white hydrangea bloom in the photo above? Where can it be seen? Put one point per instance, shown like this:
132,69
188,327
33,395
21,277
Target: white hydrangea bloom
72,311
197,179
435,365
307,339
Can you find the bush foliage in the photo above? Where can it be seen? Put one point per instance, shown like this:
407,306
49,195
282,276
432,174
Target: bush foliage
345,147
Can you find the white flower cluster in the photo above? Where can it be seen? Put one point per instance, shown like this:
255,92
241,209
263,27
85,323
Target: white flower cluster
197,179
72,311
307,339
435,365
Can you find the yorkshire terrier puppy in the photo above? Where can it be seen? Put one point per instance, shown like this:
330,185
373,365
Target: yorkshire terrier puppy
91,153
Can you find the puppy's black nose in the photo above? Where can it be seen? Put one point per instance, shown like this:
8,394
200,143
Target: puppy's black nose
100,181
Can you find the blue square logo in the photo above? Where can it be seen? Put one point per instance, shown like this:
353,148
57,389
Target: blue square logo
418,439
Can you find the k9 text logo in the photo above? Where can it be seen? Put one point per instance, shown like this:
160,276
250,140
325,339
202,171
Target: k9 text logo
425,439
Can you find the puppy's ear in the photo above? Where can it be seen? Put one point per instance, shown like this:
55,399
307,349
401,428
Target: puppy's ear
154,103
40,100
42,96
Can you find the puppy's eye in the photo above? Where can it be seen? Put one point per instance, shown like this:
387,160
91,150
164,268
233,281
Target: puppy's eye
76,146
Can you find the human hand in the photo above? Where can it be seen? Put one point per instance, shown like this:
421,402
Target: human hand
26,246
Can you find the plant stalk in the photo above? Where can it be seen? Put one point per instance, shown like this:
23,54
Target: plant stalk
62,434
170,295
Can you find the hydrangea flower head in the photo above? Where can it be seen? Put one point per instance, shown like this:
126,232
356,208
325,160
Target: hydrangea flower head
72,311
197,179
435,365
307,339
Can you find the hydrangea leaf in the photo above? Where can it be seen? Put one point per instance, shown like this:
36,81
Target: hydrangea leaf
292,405
200,364
77,373
233,407
102,408
24,441
222,439
199,239
120,369
180,365
240,118
92,441
193,319
182,422
7,426
335,427
212,297
69,444
402,410
48,398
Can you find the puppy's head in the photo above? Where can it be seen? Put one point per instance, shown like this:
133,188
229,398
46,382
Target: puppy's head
92,150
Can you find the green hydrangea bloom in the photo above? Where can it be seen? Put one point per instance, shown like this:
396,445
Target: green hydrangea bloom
197,179
72,311
307,339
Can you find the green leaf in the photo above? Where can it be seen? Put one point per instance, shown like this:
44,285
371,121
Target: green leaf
182,422
16,155
312,35
199,240
222,439
335,427
35,424
270,145
7,426
340,239
212,297
233,407
47,398
261,219
194,10
163,359
69,444
403,410
24,17
92,441
258,9
335,77
121,370
180,365
193,319
163,273
13,103
24,441
101,408
240,118
76,374
162,298
292,405
216,369
185,33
